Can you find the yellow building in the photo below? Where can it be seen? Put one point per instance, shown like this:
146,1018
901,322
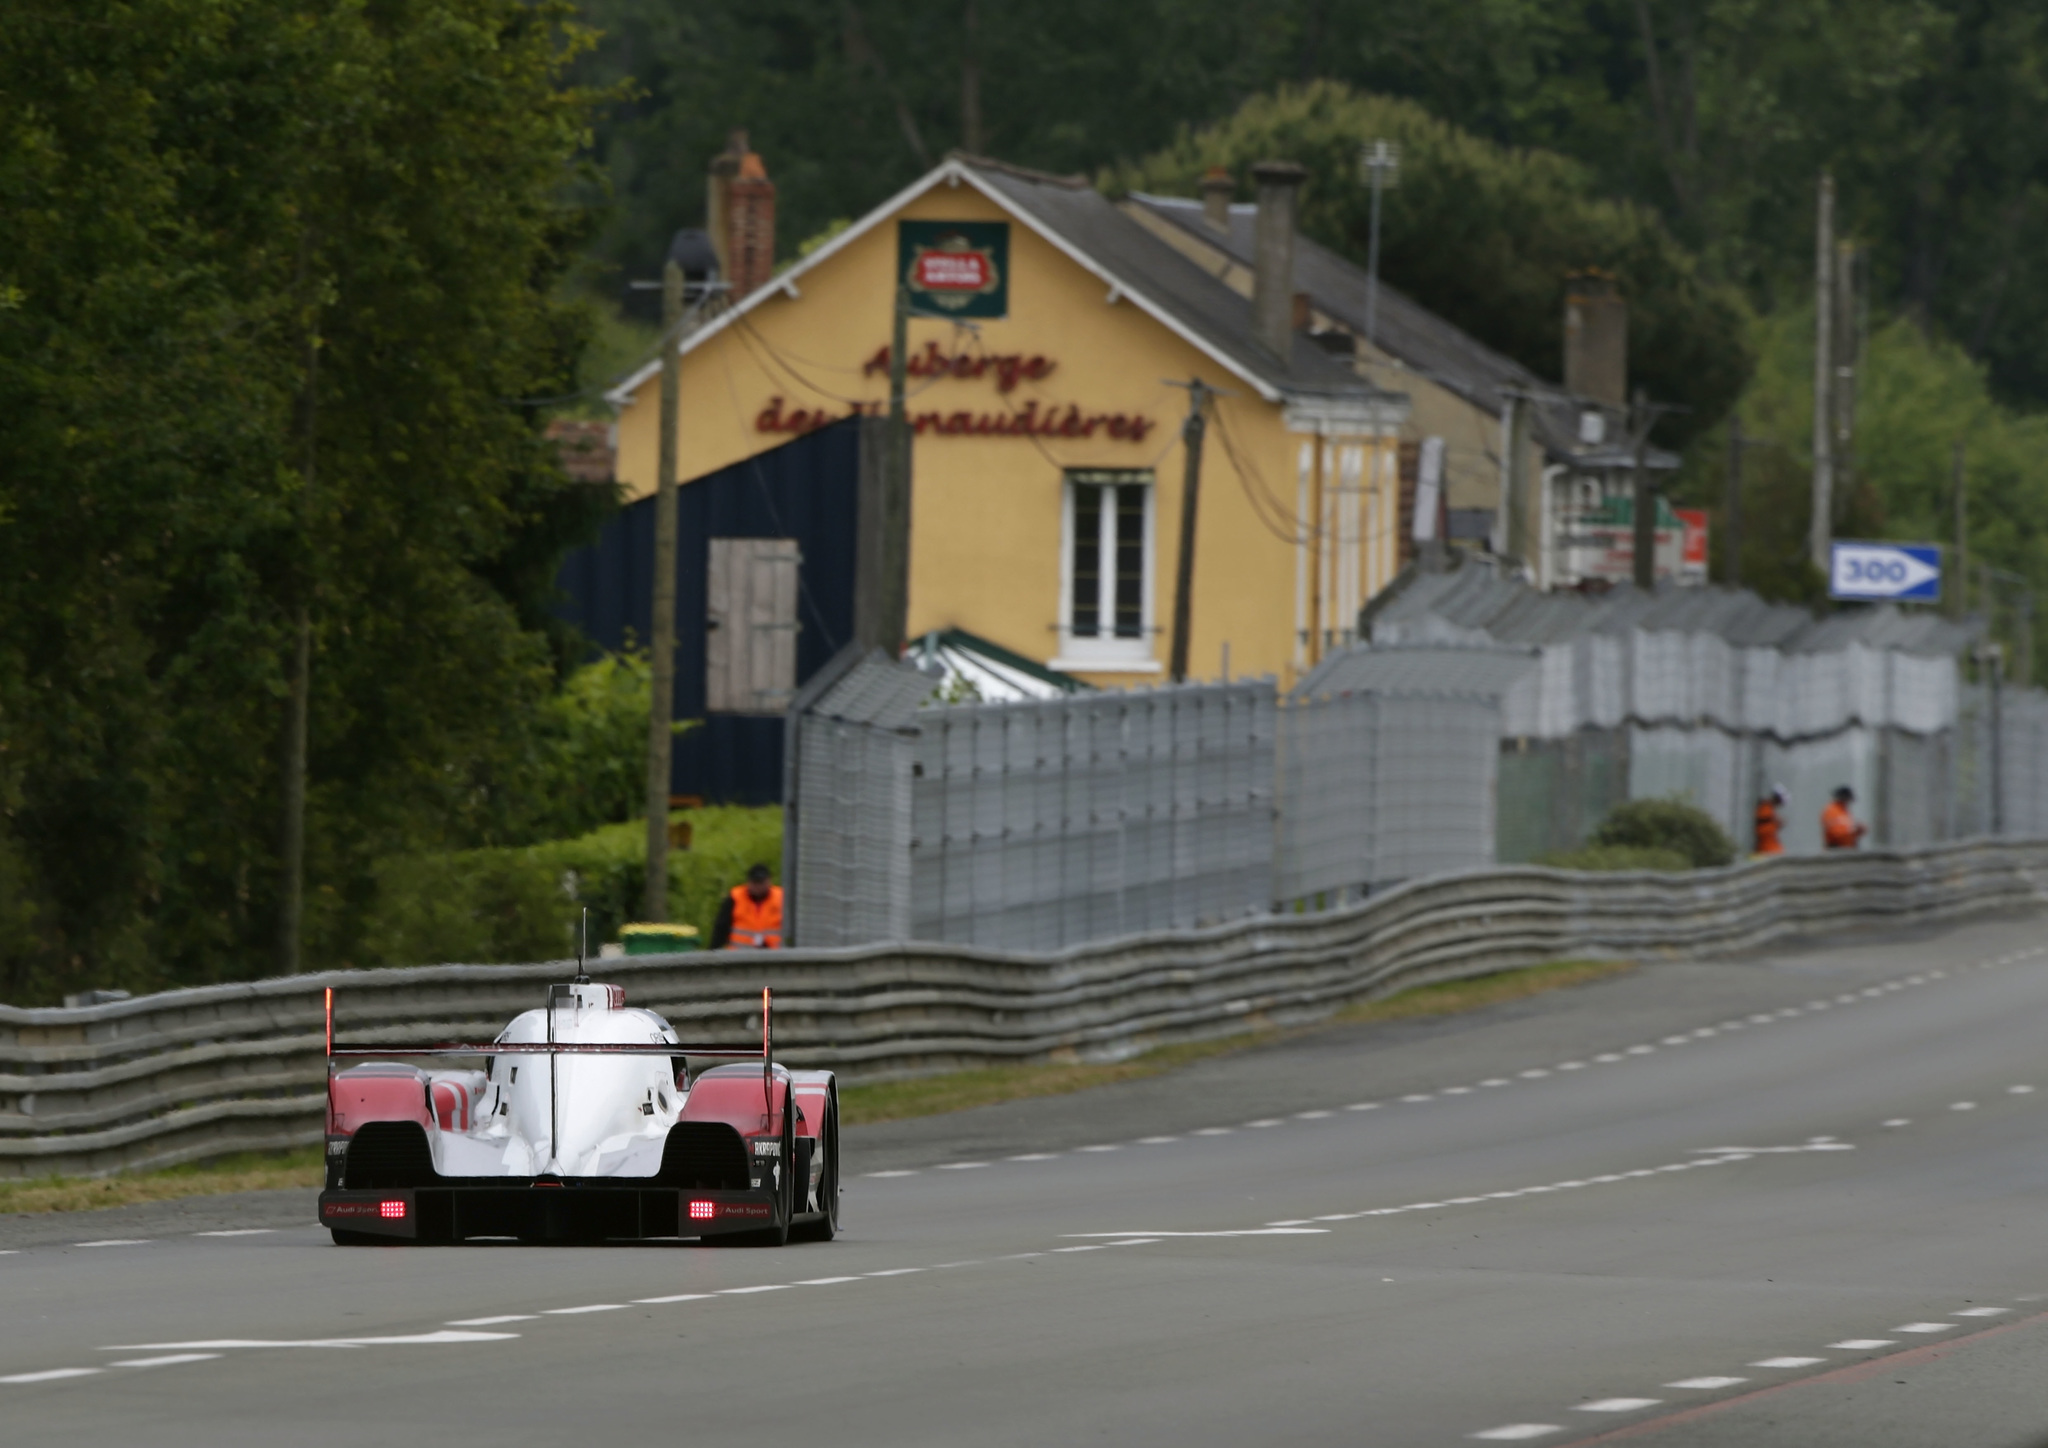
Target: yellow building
1049,358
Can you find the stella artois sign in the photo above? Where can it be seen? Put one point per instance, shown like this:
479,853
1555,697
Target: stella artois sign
955,268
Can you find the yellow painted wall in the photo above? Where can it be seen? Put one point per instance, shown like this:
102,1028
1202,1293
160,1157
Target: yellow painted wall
986,511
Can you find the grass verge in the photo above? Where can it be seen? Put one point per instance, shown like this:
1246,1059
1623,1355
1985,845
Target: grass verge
989,1085
248,1172
859,1105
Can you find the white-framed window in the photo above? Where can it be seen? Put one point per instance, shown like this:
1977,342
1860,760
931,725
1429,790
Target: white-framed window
1106,572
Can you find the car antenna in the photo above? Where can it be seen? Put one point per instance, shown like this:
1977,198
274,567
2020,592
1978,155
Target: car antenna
583,950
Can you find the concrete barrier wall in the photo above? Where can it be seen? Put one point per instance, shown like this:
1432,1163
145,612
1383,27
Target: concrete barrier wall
195,1073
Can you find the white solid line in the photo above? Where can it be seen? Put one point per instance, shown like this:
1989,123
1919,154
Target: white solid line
164,1362
117,1242
766,1287
597,1307
1618,1405
1034,1156
493,1321
1133,1242
826,1281
51,1374
889,1173
238,1232
906,1271
1924,1327
1787,1362
1086,1247
638,1302
1865,1344
963,1262
1291,1222
961,1165
1706,1383
1515,1431
1981,1311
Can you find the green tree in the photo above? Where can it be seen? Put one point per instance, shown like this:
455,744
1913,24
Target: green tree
273,276
1484,236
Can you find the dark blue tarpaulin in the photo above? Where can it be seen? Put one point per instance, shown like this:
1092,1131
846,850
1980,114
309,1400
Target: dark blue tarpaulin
808,490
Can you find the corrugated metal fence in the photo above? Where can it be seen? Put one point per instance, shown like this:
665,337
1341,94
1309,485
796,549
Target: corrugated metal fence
1046,824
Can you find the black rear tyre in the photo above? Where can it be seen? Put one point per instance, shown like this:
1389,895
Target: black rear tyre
826,1226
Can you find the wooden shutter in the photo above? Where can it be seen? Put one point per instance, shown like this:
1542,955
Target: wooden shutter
751,601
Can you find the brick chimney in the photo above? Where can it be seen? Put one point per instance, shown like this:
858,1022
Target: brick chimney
1218,186
750,227
1279,184
1596,339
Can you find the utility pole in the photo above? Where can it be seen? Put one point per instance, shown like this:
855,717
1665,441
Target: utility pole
1821,533
894,612
1381,162
1313,524
1190,496
662,661
1645,545
1959,599
1731,508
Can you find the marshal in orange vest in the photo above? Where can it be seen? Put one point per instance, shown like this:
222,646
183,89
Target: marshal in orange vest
756,924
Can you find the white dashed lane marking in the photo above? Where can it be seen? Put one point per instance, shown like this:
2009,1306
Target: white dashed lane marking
1865,1344
1787,1362
173,1360
1618,1405
1516,1432
1706,1384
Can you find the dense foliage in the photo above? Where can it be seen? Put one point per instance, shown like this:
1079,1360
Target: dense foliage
272,277
1484,236
526,903
1684,829
1717,114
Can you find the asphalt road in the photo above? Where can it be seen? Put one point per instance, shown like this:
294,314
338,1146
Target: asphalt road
1795,1199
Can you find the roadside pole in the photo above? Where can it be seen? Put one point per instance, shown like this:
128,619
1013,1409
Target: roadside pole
1731,509
1645,545
1190,497
662,644
1959,603
1821,527
894,614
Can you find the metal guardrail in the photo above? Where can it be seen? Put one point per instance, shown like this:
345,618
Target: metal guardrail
190,1074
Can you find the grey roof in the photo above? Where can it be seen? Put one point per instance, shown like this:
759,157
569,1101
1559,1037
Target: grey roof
1408,331
1472,669
1476,603
1142,263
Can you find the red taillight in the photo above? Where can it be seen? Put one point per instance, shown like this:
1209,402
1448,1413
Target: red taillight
391,1211
703,1211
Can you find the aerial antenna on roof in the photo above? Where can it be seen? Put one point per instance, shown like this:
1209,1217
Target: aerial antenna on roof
583,950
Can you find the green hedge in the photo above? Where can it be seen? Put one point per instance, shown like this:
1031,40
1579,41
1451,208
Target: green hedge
524,903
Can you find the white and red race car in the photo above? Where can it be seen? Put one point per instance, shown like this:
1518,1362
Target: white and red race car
585,1124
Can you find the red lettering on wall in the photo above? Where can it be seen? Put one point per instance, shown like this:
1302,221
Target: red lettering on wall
933,361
